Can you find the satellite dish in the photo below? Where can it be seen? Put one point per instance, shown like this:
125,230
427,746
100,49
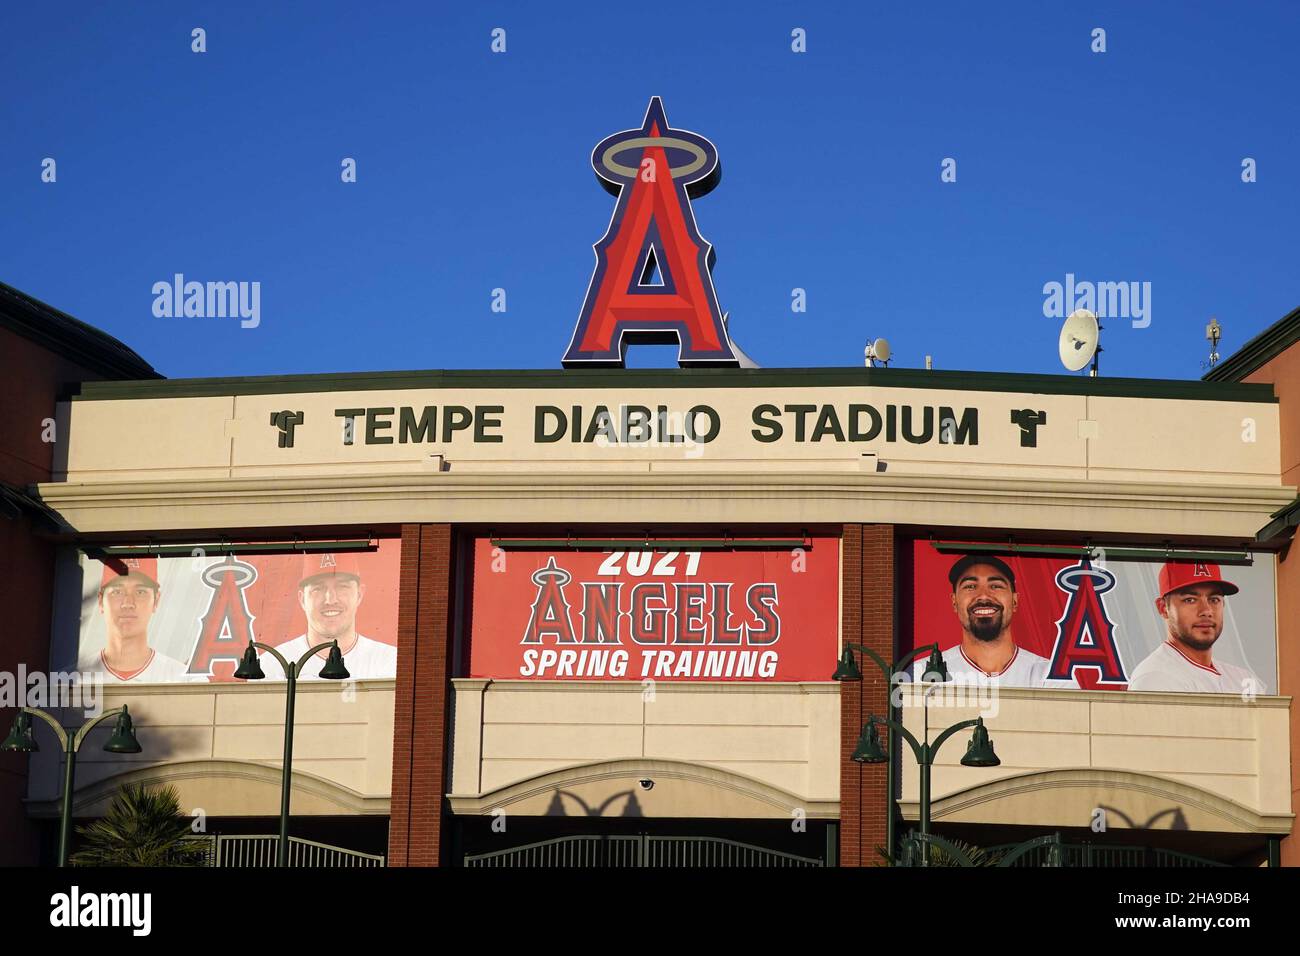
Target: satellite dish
1080,336
877,351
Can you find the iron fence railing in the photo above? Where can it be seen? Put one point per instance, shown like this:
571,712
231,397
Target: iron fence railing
641,850
239,850
715,851
1105,855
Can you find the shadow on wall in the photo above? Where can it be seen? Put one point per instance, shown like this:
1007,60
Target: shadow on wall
632,808
93,764
1177,820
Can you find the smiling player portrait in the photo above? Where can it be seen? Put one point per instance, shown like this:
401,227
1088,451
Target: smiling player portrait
985,601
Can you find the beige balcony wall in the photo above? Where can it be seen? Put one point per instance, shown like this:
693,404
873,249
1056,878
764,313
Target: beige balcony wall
221,746
747,750
1211,762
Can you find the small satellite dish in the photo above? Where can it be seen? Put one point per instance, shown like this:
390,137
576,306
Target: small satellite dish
877,351
1080,336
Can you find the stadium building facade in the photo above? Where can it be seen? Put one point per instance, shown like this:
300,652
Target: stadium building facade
599,637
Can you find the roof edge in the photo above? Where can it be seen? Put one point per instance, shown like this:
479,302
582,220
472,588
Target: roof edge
858,377
1259,351
69,337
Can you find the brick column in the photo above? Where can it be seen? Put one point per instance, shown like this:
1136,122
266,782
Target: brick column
868,578
420,710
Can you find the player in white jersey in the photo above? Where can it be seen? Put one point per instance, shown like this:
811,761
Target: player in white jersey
985,601
329,594
1191,602
128,597
159,669
367,658
1025,669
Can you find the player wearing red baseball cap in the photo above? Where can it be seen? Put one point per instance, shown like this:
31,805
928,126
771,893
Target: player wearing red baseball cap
128,597
1191,602
329,593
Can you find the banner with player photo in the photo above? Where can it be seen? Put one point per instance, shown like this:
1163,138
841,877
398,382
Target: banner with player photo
1104,624
152,620
661,615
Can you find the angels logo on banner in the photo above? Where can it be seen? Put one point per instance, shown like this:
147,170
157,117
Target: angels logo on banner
1096,624
226,627
1085,648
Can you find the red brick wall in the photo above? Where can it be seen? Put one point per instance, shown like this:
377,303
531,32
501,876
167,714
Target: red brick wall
420,714
27,570
29,388
868,575
1283,372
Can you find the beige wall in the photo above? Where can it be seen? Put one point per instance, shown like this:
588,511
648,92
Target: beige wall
529,494
222,745
1084,438
713,750
1101,464
751,750
569,748
1218,760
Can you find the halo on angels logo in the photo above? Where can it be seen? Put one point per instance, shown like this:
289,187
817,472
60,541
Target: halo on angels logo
693,159
1072,577
244,574
652,282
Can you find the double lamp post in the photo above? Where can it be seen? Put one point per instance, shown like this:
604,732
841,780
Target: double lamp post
21,740
979,751
123,740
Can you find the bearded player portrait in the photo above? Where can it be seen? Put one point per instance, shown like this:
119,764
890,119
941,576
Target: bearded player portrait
984,599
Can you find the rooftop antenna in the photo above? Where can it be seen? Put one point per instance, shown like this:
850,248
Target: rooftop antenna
877,351
1080,341
1213,332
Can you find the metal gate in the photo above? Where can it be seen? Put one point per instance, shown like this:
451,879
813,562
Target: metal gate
1104,855
260,851
639,850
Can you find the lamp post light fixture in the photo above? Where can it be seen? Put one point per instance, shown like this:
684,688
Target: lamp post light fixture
21,740
979,753
250,668
847,670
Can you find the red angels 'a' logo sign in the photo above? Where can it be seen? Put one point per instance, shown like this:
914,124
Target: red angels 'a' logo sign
226,626
652,281
1085,648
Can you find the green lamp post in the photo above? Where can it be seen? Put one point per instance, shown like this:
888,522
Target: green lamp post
21,740
936,671
250,668
979,753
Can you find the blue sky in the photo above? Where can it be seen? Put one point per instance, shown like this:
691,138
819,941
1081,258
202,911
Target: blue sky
473,173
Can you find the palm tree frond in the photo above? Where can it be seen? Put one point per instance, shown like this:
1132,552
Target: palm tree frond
144,826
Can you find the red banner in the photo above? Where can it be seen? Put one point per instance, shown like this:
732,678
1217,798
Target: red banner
663,615
1095,623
